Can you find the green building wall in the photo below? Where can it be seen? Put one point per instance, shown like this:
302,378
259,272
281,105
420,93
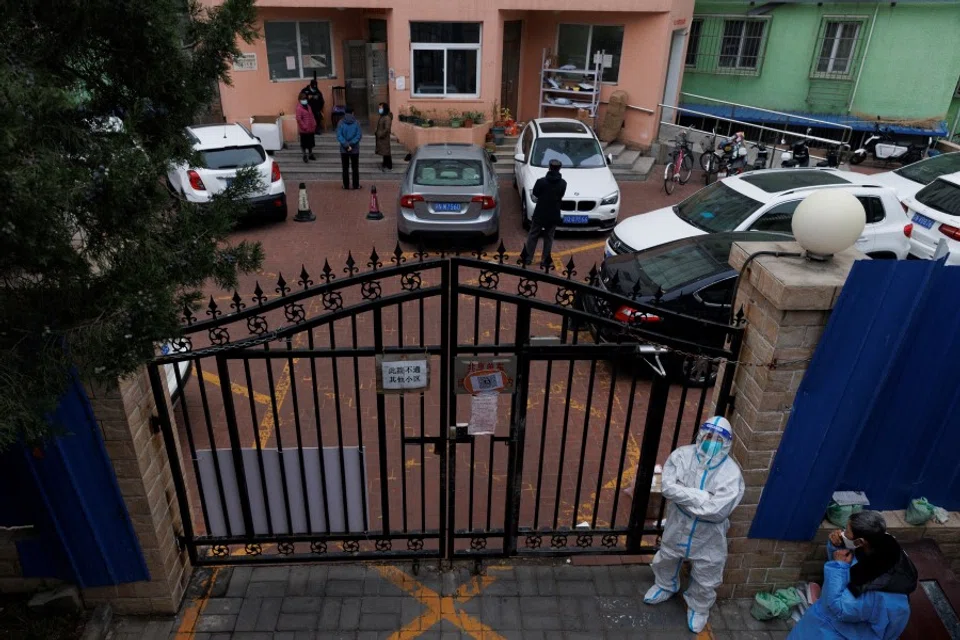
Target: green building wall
910,64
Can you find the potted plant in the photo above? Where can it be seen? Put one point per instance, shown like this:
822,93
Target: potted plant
427,119
404,116
456,119
477,117
499,126
415,117
467,119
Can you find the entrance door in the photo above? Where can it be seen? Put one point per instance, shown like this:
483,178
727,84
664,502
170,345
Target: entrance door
355,76
377,78
510,74
671,88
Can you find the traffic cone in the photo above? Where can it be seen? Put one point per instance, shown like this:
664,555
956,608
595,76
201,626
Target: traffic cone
303,207
374,213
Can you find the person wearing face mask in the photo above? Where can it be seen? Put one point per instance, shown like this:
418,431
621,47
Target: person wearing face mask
382,136
315,101
306,127
703,485
867,581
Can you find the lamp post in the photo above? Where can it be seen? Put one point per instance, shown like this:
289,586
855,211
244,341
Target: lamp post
828,221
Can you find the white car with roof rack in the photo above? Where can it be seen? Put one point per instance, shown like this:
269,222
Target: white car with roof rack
225,148
592,200
765,201
935,214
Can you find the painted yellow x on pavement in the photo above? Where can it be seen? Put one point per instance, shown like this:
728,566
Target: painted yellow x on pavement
440,607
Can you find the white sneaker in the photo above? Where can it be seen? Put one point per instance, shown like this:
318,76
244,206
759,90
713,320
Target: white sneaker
696,621
656,595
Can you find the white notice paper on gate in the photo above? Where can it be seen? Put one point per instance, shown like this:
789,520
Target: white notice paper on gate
483,413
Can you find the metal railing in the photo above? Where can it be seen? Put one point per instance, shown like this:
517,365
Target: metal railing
669,114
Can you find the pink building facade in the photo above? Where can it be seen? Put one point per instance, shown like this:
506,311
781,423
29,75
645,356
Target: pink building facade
445,56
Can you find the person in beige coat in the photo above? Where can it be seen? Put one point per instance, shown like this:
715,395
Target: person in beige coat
382,136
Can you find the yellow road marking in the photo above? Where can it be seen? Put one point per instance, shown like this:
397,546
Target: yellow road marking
193,609
239,389
556,255
440,607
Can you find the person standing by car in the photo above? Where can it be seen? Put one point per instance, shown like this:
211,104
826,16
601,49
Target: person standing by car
548,192
306,127
382,135
315,102
349,135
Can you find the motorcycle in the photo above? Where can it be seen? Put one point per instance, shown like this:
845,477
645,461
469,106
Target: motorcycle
734,158
883,145
798,155
763,155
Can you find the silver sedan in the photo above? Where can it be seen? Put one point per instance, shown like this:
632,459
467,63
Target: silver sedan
449,189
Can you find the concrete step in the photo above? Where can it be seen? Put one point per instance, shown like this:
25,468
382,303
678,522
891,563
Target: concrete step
615,148
642,166
626,158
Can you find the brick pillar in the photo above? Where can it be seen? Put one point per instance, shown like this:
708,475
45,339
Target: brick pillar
787,302
140,461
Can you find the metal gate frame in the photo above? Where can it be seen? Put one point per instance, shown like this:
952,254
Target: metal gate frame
453,287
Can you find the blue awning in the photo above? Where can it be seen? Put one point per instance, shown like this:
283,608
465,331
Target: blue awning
747,114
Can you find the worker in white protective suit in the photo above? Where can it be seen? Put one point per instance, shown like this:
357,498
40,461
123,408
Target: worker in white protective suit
703,485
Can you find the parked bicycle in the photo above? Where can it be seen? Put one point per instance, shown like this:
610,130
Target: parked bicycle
709,160
680,168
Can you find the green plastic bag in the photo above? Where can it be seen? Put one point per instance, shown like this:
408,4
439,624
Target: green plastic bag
839,515
919,511
790,597
767,606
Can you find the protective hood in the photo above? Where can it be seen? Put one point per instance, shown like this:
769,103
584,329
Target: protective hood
716,436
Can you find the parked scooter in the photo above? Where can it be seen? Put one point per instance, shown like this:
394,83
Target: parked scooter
734,158
763,155
798,155
883,145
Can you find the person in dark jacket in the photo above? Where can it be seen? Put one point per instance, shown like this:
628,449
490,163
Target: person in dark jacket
315,101
382,135
867,581
348,135
547,193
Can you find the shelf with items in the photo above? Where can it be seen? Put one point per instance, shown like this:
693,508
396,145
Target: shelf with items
583,83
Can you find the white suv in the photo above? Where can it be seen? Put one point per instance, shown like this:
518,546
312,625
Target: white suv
935,213
765,201
225,148
592,198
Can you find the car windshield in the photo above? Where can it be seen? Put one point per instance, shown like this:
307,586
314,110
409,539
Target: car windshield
682,265
929,170
941,195
448,172
716,208
573,153
232,158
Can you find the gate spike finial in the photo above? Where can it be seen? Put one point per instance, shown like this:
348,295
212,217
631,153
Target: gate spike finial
547,267
351,267
304,280
237,302
592,275
524,259
570,270
615,282
188,316
258,296
501,252
374,262
327,274
479,253
740,316
420,253
398,257
658,295
282,287
636,289
212,309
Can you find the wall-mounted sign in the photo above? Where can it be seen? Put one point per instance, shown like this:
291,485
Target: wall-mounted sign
485,374
402,373
245,62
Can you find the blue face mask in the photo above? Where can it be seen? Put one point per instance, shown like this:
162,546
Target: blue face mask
303,102
711,447
380,111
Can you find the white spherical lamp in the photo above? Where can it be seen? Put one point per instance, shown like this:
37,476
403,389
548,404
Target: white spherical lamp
828,221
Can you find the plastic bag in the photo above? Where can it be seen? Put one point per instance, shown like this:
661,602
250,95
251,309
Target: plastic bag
839,515
919,511
790,597
940,515
767,606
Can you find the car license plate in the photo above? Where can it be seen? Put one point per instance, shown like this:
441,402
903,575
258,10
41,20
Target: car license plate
446,207
923,220
228,181
576,219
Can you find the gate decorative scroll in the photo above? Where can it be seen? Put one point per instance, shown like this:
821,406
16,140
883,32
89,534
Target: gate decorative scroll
291,453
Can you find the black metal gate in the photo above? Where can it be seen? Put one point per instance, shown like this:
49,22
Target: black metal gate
295,450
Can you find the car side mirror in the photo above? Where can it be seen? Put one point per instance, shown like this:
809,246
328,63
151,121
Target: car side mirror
407,157
609,158
519,157
493,158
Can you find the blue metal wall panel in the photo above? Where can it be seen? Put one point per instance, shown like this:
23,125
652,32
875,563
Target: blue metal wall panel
879,409
80,505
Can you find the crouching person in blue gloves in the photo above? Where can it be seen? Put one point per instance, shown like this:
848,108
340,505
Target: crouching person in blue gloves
867,581
703,485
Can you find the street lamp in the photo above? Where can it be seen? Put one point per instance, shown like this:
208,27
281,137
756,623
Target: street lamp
828,221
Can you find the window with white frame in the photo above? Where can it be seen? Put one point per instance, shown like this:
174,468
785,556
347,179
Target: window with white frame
445,59
577,44
837,46
741,45
297,49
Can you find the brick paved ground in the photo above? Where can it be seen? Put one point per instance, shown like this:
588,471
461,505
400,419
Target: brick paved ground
360,602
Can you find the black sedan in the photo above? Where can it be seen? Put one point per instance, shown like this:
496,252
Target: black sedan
690,277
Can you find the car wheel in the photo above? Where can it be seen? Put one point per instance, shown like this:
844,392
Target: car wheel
404,237
683,370
524,220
